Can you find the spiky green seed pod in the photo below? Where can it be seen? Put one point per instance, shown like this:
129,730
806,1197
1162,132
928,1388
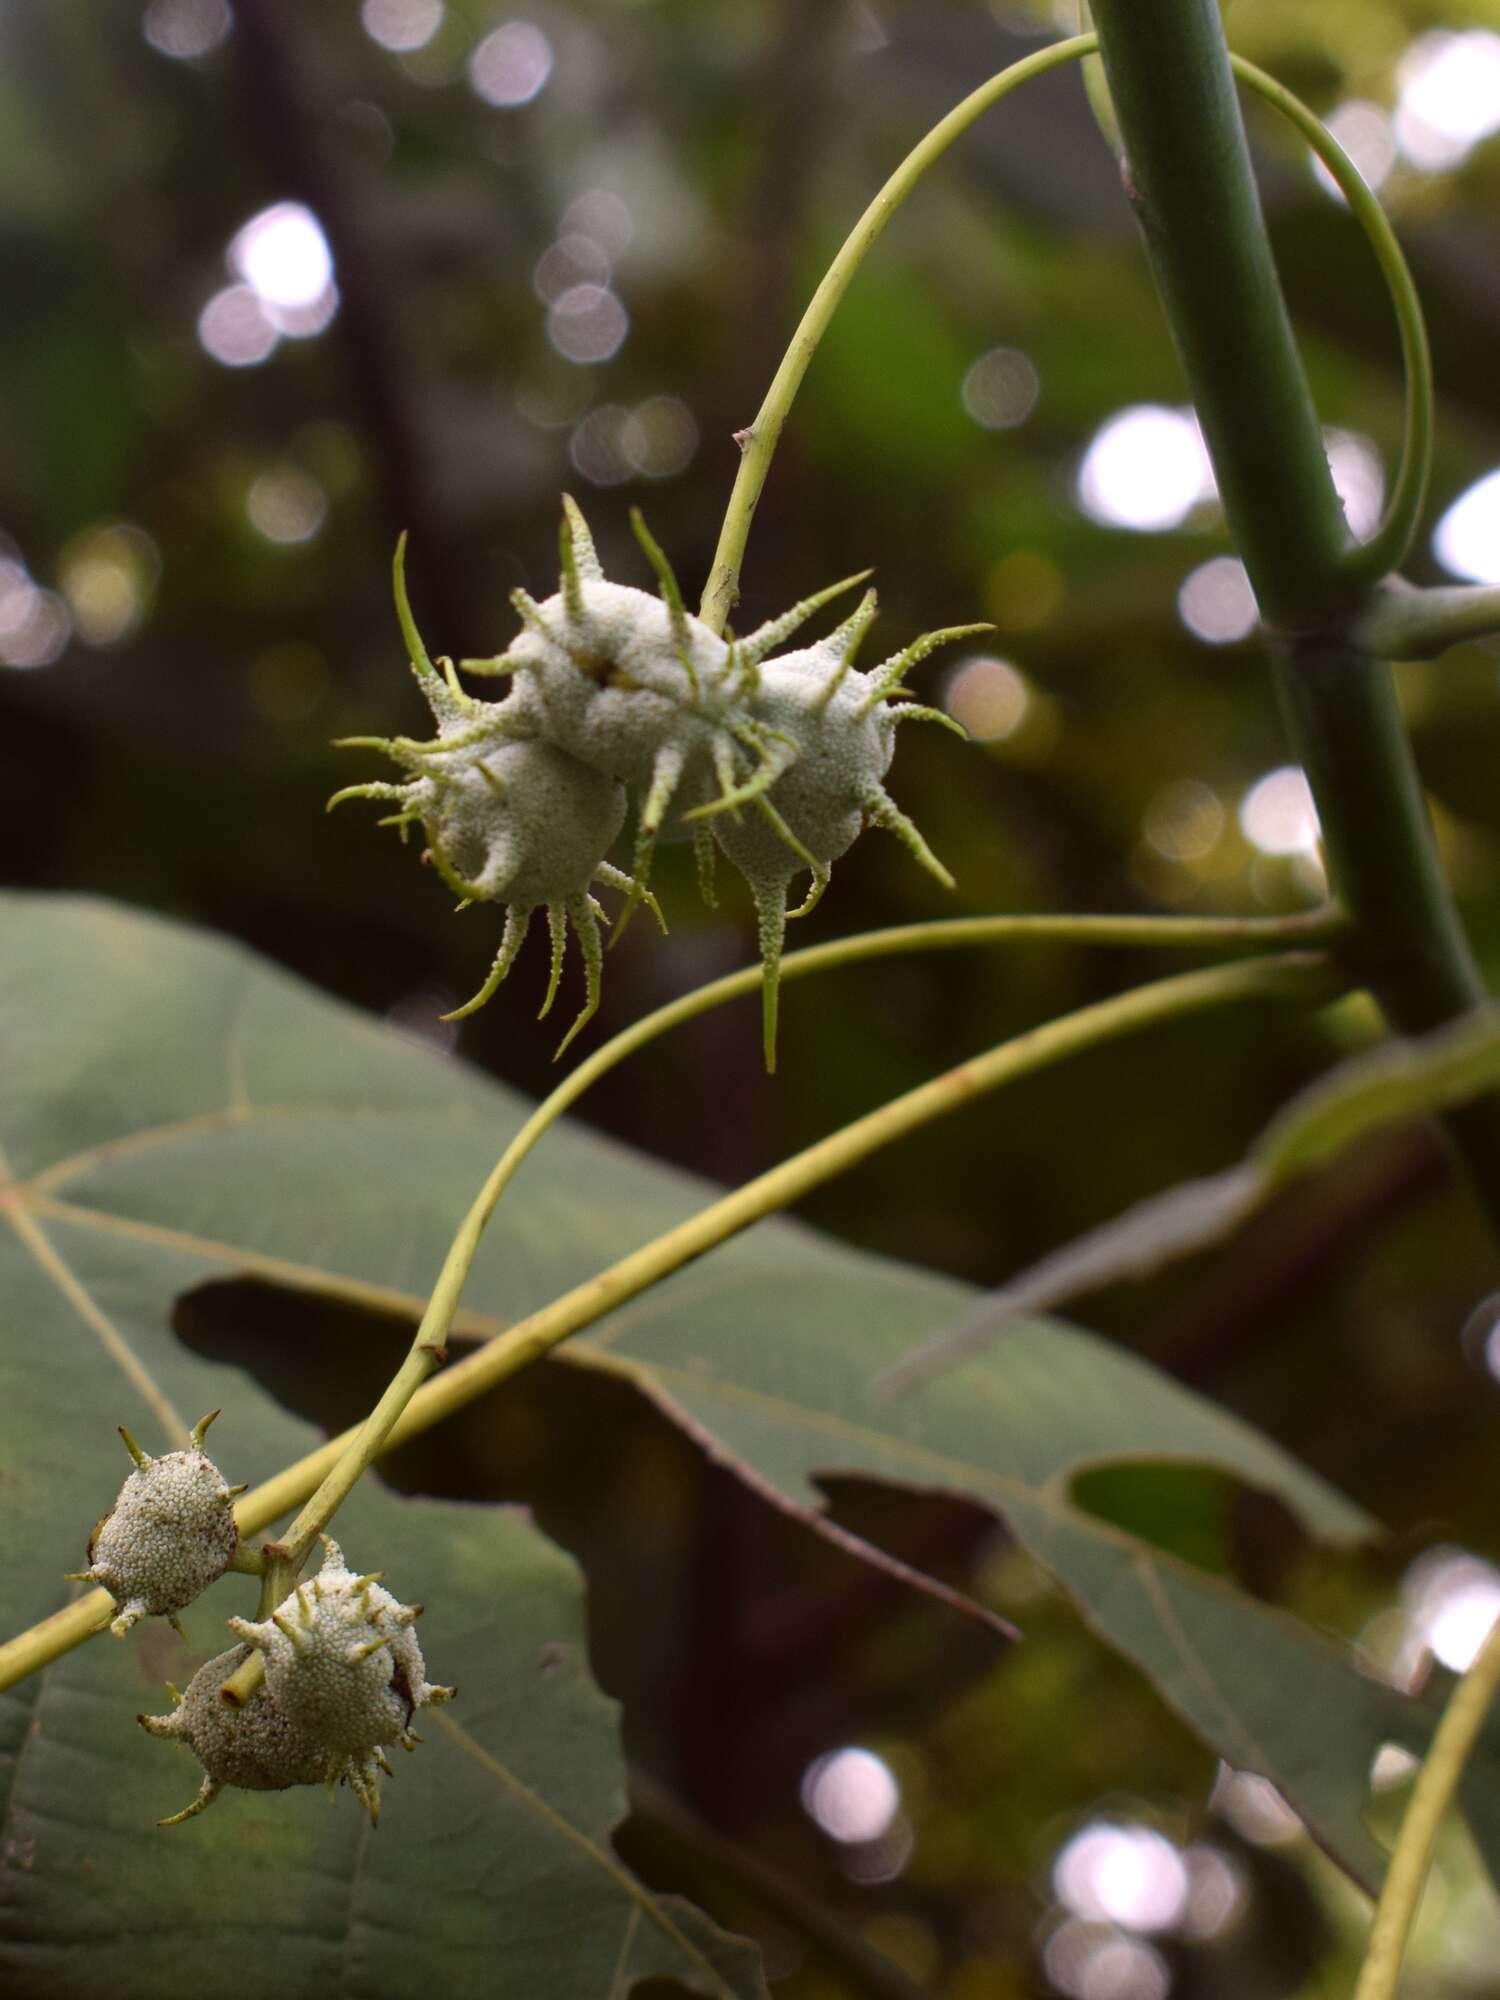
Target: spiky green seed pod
783,757
343,1662
170,1534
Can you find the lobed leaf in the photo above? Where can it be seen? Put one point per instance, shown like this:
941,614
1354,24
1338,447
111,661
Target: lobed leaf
173,1111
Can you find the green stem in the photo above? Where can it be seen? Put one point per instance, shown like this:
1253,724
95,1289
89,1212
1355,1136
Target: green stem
1171,80
1405,624
758,444
1387,547
1437,1782
1303,976
1189,177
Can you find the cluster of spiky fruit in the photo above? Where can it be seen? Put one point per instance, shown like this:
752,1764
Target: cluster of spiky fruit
344,1674
778,762
344,1678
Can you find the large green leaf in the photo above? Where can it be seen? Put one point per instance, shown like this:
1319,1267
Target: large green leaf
174,1111
492,1868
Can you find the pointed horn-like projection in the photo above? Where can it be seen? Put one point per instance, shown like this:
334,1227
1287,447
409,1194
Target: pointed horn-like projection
770,911
557,932
427,675
915,711
529,612
777,753
568,579
706,855
142,1458
844,644
585,913
884,811
760,642
822,875
671,590
616,878
200,1429
585,555
377,789
516,922
666,774
886,678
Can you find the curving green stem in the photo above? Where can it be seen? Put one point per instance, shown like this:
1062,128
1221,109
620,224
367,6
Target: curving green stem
1386,548
1437,1781
325,1477
758,444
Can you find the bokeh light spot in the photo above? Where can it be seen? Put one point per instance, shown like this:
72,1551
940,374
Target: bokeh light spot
988,696
283,255
1467,538
1184,821
587,323
401,25
659,437
286,505
1126,1875
573,259
1358,478
1001,388
1451,1599
1448,97
233,328
107,575
1277,814
1090,1961
511,64
186,29
1216,602
852,1794
596,447
1146,468
602,216
34,623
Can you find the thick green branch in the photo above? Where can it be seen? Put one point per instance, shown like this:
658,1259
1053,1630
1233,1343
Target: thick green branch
1170,76
1189,177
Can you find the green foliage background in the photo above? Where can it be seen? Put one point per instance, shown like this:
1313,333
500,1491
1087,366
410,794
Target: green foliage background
183,767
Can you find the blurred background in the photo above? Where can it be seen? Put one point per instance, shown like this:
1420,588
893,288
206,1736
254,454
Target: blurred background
281,281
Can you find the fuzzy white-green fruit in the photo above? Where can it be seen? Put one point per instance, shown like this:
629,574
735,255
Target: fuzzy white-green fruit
784,758
520,823
262,1746
343,1662
170,1534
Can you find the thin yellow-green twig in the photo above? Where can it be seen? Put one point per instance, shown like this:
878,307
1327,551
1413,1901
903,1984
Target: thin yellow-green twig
1298,975
1437,1781
1385,549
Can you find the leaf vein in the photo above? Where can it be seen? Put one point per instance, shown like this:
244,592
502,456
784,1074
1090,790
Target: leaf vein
617,1872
